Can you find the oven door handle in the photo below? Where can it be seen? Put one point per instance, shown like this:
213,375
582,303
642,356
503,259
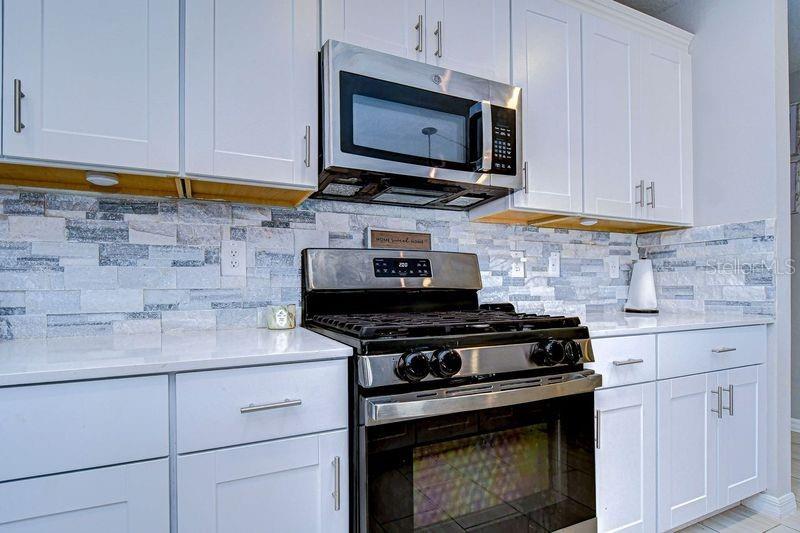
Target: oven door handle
386,411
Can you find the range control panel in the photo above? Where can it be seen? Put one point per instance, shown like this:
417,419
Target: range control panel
394,267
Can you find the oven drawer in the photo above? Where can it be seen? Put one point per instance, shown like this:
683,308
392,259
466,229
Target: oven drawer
227,407
624,360
46,429
693,352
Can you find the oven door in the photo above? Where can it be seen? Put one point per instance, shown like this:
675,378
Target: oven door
512,458
394,116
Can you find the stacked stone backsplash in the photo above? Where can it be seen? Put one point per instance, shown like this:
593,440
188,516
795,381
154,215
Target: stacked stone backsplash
82,264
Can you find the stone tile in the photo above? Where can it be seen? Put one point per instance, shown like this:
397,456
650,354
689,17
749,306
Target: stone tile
179,321
97,231
36,228
23,327
90,277
128,205
199,234
146,232
237,318
61,201
123,254
52,302
146,278
111,301
204,212
36,280
80,325
204,277
68,253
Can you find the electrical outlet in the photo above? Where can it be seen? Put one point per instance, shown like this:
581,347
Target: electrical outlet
554,265
517,265
233,258
612,266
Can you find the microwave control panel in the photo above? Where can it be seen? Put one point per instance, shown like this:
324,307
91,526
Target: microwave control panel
504,140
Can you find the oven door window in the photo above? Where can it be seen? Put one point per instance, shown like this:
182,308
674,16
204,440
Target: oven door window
528,467
394,122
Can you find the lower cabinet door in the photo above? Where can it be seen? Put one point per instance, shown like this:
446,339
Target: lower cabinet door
687,448
295,484
131,498
625,458
742,434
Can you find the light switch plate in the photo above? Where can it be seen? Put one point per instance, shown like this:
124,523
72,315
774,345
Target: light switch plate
233,258
554,265
612,266
517,265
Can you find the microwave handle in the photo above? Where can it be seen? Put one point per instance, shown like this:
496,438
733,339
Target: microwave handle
486,149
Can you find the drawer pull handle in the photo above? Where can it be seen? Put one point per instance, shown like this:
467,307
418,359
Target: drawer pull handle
628,362
597,428
337,483
267,406
723,349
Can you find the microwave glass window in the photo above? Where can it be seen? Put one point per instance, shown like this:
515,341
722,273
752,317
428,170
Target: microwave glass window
394,122
391,126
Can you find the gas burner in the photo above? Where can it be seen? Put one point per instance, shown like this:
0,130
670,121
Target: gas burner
439,323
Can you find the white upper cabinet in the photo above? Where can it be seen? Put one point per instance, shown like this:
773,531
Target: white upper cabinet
470,36
626,458
92,82
610,59
251,90
546,65
662,138
395,27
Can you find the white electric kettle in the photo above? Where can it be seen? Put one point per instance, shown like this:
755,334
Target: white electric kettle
642,291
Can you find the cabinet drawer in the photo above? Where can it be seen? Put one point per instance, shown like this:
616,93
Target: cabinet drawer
624,360
692,352
84,424
243,405
128,498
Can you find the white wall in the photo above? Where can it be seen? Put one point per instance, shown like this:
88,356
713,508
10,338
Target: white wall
733,108
740,96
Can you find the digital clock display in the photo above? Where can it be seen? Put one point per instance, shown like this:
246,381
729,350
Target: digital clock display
392,267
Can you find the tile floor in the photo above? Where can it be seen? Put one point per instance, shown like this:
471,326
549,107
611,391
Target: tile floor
743,520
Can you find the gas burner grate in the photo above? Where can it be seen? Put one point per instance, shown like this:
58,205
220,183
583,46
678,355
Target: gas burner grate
418,324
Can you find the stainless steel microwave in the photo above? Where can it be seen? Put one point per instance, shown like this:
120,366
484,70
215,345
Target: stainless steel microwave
401,132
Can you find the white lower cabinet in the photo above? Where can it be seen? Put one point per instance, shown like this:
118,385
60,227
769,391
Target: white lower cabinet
294,484
130,498
711,439
626,458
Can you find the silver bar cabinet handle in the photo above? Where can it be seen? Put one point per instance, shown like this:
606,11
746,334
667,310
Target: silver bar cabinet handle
729,390
723,349
640,190
525,176
628,362
18,96
307,138
419,29
718,410
438,33
337,483
652,189
268,406
597,428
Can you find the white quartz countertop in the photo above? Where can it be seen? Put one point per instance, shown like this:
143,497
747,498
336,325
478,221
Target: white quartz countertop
27,361
619,324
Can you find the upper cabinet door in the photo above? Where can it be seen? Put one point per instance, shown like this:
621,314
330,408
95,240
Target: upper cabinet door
626,458
547,66
251,90
92,82
392,26
610,66
687,449
471,36
663,138
742,434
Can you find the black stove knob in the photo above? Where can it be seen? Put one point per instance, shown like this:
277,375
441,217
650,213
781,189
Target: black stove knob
445,363
548,353
413,366
572,353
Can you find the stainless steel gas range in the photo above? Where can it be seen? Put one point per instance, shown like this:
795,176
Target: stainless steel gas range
464,417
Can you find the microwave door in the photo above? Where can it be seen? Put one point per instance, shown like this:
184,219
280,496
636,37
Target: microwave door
480,135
